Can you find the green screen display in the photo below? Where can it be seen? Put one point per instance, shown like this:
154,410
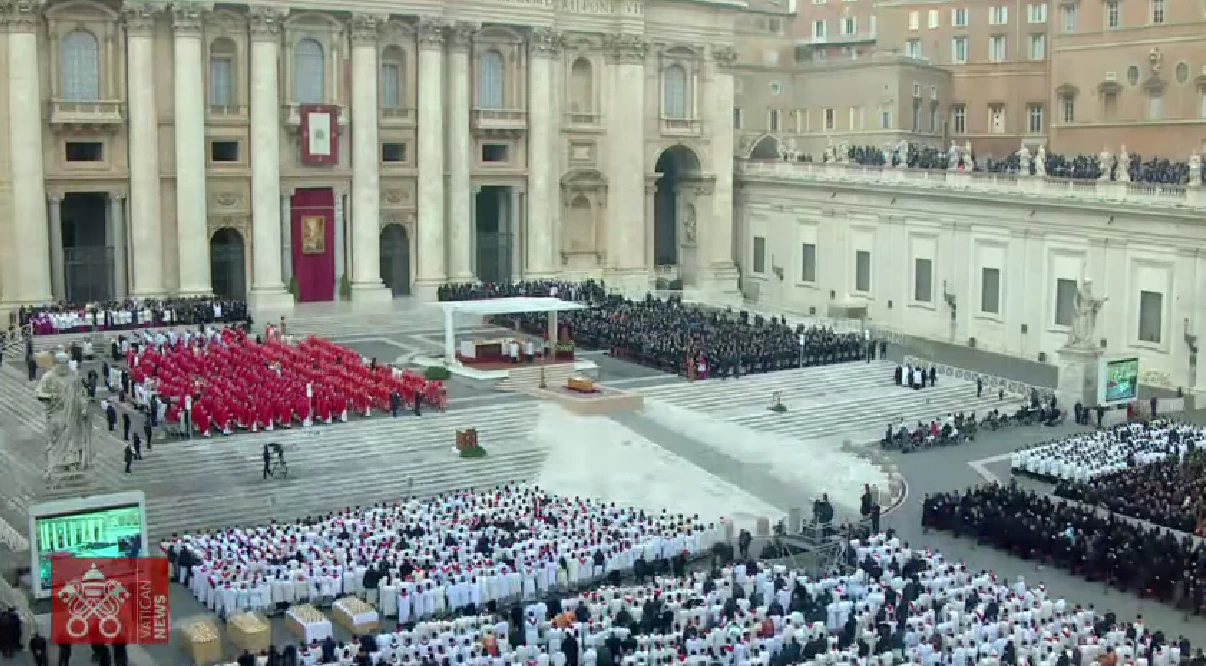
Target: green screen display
1122,380
110,532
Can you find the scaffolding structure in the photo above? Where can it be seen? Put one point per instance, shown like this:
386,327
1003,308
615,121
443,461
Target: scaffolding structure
824,548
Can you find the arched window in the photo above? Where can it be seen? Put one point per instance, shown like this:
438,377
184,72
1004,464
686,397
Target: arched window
81,66
222,73
581,86
309,73
675,92
393,78
492,84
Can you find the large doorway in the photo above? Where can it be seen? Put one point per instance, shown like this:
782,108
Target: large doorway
228,264
494,232
675,165
395,259
87,247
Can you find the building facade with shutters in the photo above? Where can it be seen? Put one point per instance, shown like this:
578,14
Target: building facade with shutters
346,150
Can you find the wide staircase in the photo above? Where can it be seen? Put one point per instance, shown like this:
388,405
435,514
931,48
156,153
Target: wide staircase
527,378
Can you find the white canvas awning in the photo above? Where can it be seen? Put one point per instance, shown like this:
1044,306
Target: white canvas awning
500,306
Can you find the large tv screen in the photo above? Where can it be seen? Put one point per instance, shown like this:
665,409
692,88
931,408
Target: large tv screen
99,526
1120,381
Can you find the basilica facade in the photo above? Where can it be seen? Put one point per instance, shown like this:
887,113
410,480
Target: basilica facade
322,150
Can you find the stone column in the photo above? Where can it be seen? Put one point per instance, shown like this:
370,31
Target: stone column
543,46
192,228
715,226
460,192
31,282
267,290
117,227
146,215
340,252
431,271
286,237
626,164
366,160
58,273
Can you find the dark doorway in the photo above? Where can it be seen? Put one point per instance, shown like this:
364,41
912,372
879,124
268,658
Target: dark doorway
395,259
228,264
87,247
494,233
675,164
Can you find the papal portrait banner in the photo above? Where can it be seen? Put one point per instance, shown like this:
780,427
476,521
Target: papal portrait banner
319,134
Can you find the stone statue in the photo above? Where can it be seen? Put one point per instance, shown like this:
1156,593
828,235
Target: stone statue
1195,170
793,153
969,160
843,152
1023,160
1104,164
1155,58
1084,322
689,224
69,426
1040,161
1124,166
952,157
886,156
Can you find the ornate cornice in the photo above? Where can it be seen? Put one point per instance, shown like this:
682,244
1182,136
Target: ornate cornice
140,18
366,29
265,22
187,18
21,15
545,42
724,56
431,33
460,35
627,49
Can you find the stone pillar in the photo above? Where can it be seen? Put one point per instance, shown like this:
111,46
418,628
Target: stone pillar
286,236
31,282
430,255
146,215
58,273
366,160
625,167
117,229
715,224
267,290
460,191
544,44
340,251
191,223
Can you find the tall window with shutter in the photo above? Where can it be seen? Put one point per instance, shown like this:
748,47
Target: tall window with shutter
862,271
309,72
222,73
990,290
923,279
80,62
675,92
492,81
393,68
1065,302
1151,316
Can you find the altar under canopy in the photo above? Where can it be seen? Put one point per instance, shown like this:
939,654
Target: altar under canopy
499,306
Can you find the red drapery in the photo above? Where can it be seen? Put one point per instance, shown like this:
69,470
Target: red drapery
313,232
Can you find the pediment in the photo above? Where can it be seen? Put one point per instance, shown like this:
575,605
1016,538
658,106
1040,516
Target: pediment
584,178
1067,90
1109,88
1154,84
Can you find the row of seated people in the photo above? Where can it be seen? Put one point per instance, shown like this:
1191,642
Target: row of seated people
1169,492
588,291
226,381
1150,561
899,606
674,337
130,314
1088,455
435,556
914,157
949,430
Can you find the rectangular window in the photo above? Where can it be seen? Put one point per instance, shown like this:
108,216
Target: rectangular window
772,120
1065,301
221,82
829,119
759,254
808,264
224,151
1036,13
1034,116
849,25
933,19
774,26
934,116
1112,16
1069,21
1157,11
1203,114
996,48
1151,316
998,15
922,280
1155,106
914,20
1110,106
736,118
959,119
959,17
391,79
996,118
1069,105
393,152
1038,47
85,151
885,116
862,271
913,49
959,50
990,290
494,152
818,29
916,115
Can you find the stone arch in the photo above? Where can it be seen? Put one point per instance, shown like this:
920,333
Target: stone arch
582,85
320,20
80,9
767,147
675,164
228,263
395,258
499,33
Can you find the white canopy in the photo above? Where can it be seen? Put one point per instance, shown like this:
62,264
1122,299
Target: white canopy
498,306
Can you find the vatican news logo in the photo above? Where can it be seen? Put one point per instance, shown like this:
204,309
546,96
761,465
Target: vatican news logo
110,600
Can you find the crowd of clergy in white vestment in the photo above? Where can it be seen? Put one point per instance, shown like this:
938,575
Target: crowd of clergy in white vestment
900,605
425,558
130,314
1148,560
1088,455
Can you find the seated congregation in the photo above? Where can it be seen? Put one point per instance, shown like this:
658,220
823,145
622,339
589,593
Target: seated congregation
226,381
899,605
1088,455
1149,561
130,314
1169,492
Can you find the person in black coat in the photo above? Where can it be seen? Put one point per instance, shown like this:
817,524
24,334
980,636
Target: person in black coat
328,650
246,659
125,426
37,647
111,416
569,647
65,654
137,444
120,656
147,432
129,457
